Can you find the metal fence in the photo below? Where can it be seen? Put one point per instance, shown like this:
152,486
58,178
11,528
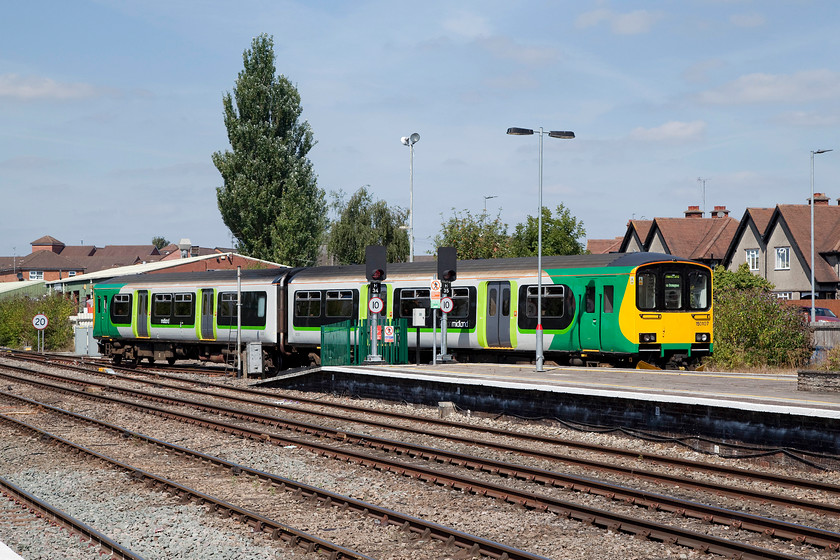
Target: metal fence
348,342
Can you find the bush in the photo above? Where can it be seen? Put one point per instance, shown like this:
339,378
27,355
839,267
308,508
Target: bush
755,329
16,330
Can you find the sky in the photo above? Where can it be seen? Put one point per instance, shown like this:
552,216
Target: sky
110,110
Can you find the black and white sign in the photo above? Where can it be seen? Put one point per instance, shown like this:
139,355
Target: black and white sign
446,304
40,321
376,305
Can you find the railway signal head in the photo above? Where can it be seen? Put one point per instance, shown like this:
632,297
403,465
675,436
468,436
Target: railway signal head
376,262
447,264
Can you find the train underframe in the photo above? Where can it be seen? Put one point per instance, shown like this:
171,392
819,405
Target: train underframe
132,352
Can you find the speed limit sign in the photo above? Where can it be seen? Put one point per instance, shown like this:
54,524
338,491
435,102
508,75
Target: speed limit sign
376,305
446,304
40,321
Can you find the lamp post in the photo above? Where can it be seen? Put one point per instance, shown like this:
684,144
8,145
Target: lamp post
410,141
813,285
486,198
566,134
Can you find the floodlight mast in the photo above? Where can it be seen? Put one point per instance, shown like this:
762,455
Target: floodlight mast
410,141
564,134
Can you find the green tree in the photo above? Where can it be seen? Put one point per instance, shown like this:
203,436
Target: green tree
474,237
270,199
561,235
364,221
160,242
752,327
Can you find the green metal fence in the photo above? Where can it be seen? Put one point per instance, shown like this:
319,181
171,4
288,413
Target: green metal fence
348,342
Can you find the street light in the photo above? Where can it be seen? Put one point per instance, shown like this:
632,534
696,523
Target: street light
410,141
565,134
813,286
486,198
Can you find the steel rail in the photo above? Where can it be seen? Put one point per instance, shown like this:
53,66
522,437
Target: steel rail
609,520
291,536
496,467
420,528
56,515
720,470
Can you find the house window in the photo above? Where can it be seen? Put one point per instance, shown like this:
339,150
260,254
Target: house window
782,258
36,274
752,259
784,295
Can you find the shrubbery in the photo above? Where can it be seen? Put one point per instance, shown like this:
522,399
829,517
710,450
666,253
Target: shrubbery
16,330
753,328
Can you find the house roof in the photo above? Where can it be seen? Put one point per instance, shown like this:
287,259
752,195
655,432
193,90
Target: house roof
695,238
640,228
797,219
125,252
44,260
47,240
603,246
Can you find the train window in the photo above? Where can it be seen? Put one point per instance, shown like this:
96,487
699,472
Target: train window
492,296
461,300
589,298
698,290
307,304
184,305
340,303
253,309
673,290
552,301
411,299
161,308
609,294
646,290
121,309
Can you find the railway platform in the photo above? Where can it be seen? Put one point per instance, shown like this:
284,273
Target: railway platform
759,409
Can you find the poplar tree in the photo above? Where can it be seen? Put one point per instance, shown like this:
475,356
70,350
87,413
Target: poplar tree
270,199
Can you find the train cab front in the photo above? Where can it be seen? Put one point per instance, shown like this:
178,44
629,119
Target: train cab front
672,314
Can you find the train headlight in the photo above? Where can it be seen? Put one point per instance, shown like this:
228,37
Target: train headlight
702,337
646,338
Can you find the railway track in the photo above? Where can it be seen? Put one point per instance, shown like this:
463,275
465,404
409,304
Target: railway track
824,539
23,511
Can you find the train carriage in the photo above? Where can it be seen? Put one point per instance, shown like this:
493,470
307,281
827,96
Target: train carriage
617,308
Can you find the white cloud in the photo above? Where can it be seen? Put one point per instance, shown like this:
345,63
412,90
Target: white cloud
808,85
747,20
670,131
632,23
504,48
467,25
37,87
809,119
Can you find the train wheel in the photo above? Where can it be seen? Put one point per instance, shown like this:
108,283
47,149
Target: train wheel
116,359
170,361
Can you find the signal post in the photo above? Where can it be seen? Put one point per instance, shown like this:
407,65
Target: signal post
376,262
447,263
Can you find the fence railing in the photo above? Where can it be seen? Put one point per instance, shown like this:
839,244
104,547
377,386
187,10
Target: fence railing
349,342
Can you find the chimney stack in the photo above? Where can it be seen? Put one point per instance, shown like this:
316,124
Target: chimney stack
819,199
720,212
693,212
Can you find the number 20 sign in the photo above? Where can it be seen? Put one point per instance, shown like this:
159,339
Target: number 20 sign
40,321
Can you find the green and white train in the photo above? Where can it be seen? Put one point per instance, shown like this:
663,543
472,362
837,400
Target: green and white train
617,308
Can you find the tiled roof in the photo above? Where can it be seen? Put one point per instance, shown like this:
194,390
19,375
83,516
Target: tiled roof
73,251
47,240
761,218
47,260
695,238
603,246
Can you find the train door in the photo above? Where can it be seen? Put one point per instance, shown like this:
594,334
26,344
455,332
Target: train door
207,331
498,314
590,317
142,314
